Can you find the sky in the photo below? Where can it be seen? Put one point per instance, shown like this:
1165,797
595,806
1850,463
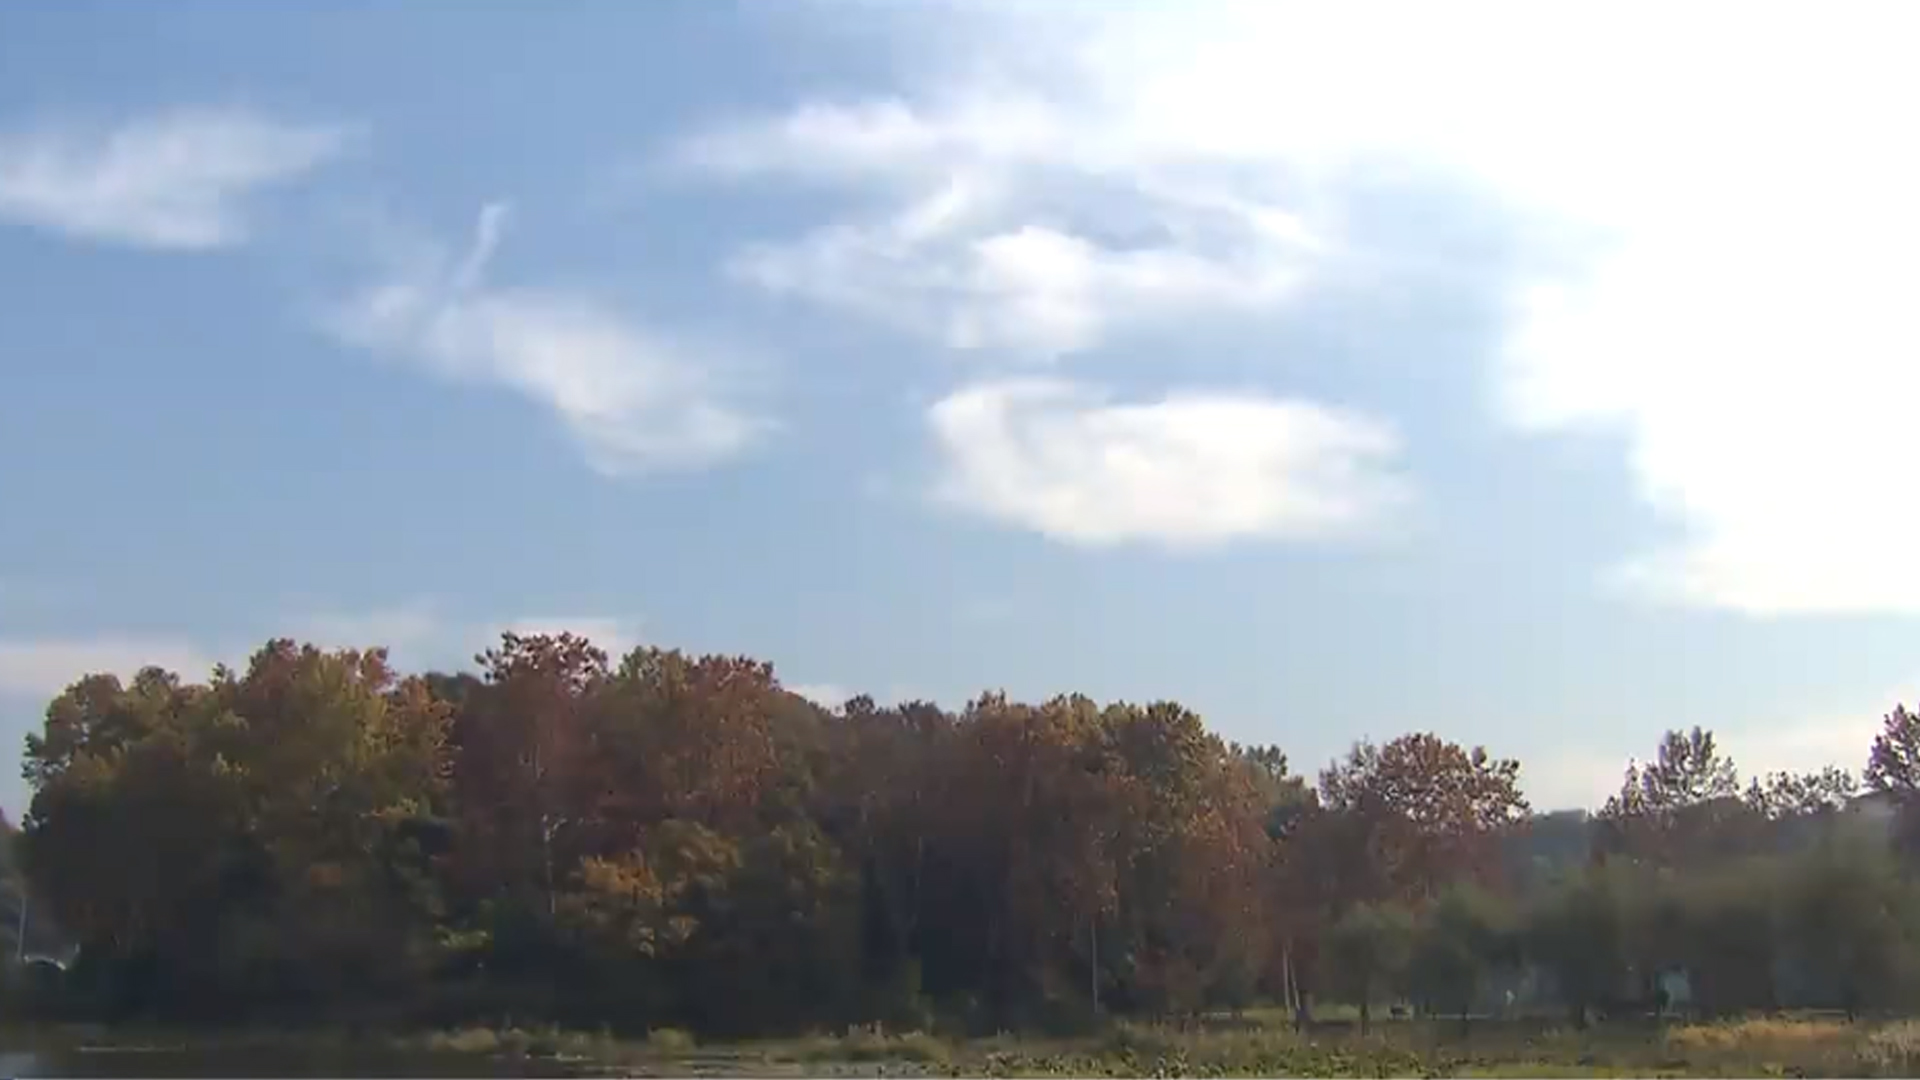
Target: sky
1531,374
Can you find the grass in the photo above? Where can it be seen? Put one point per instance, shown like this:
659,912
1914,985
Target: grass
1258,1046
1250,1044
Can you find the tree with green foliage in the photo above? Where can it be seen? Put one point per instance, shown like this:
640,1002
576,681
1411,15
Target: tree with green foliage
1459,941
1682,805
1893,772
1786,795
1717,924
1852,925
1367,953
1580,931
255,839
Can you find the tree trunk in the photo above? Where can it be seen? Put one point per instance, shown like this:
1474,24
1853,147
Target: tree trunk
1093,962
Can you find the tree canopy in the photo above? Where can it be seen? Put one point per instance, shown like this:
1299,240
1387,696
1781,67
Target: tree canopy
663,838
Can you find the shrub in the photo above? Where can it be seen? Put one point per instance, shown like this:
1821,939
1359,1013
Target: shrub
670,1040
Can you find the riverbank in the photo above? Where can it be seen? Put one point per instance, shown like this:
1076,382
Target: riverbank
1253,1046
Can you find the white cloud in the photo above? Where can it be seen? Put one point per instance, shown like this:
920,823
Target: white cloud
1807,745
1189,471
825,695
1716,202
399,628
1585,775
1031,288
617,636
176,179
1748,327
1765,402
42,667
420,635
996,226
635,399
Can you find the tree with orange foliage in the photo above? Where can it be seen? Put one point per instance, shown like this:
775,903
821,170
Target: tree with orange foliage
526,769
1406,818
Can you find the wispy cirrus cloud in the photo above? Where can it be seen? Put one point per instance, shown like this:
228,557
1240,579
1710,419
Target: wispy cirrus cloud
1022,219
1002,224
180,179
637,399
1188,470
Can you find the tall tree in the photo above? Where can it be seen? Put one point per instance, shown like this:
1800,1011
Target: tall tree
1683,804
1893,772
243,843
1580,931
1368,951
1788,795
1419,812
1893,762
525,783
1853,927
1461,939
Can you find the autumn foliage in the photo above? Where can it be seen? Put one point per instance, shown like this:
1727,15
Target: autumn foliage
665,839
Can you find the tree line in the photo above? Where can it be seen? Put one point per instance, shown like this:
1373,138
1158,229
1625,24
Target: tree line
678,840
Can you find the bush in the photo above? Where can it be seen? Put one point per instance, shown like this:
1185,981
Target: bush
476,1040
1128,1039
670,1041
1893,1050
872,1043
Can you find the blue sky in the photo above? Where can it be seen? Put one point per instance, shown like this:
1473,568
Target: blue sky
1229,353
